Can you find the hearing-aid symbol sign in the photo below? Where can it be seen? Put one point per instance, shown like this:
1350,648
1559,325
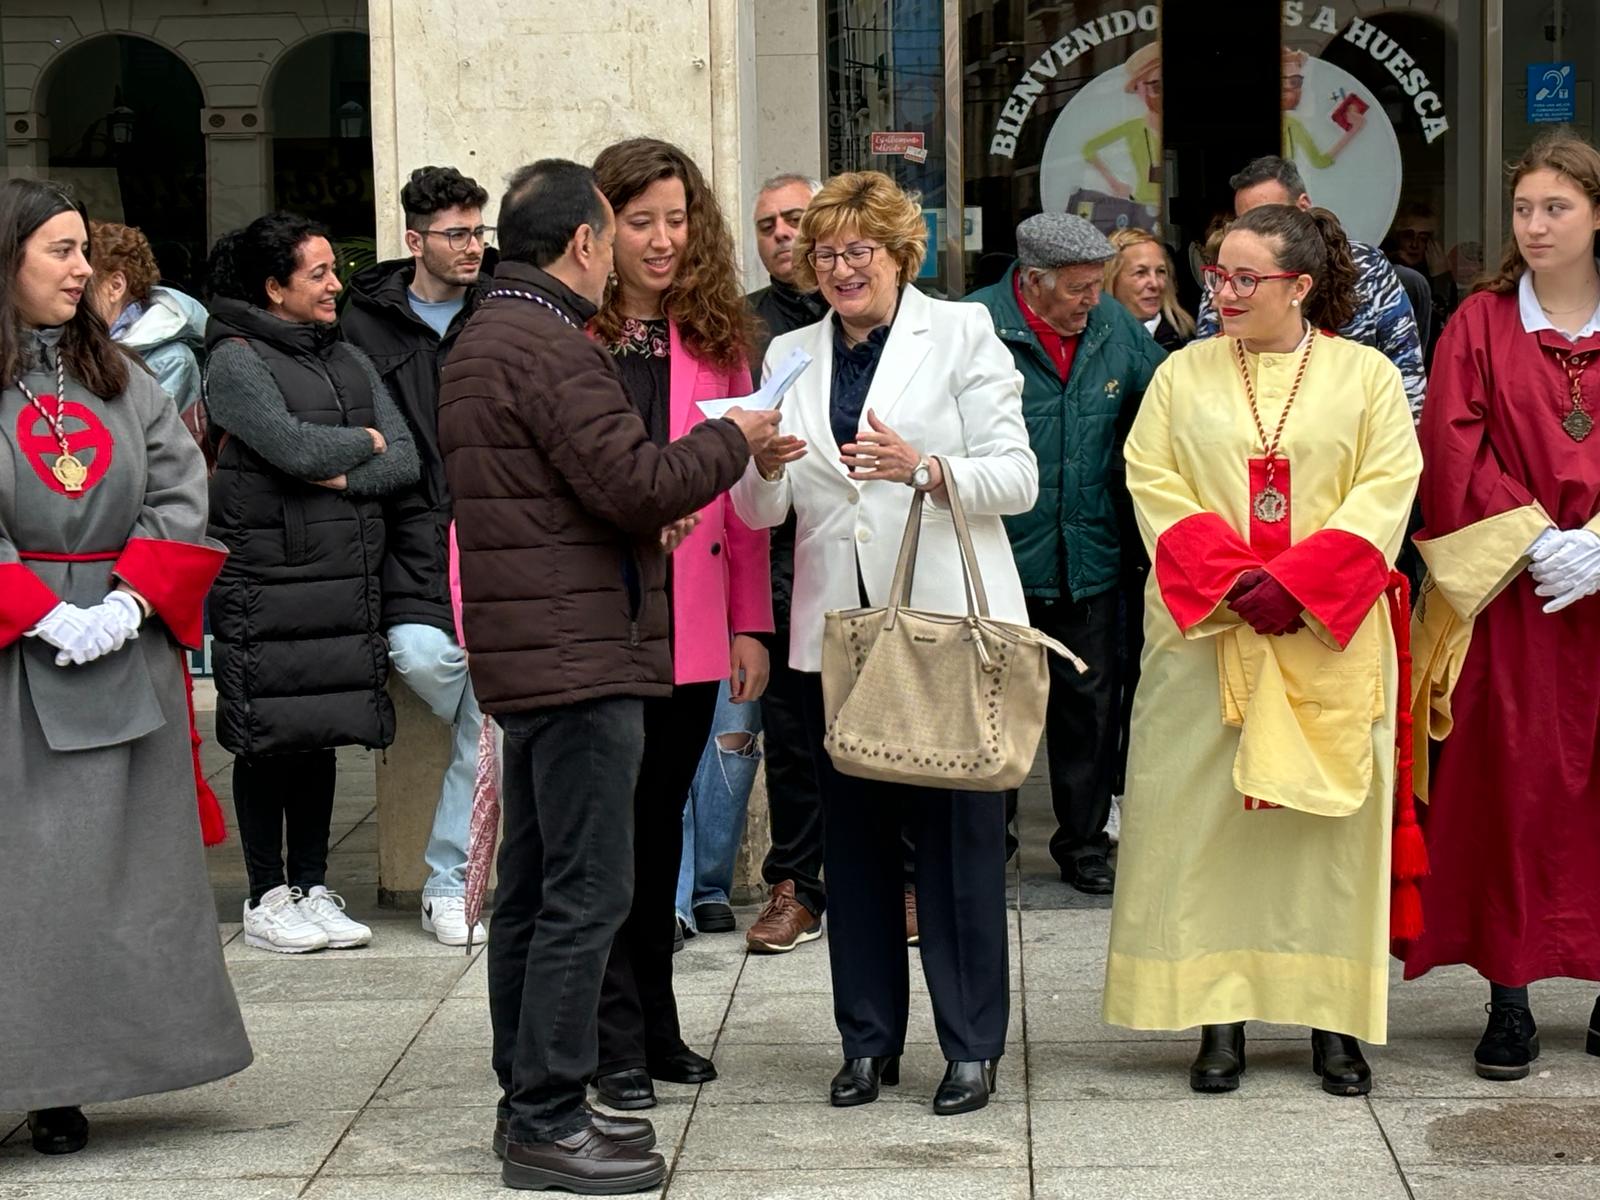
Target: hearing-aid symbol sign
1551,94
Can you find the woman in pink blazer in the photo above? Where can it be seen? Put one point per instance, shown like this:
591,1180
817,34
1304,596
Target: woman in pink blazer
679,331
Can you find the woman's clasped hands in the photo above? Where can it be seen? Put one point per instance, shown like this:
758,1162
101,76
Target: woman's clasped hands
1265,605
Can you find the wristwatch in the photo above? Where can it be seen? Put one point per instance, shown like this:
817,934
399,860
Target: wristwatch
921,476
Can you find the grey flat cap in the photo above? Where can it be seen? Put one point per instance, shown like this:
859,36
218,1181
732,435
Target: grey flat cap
1051,240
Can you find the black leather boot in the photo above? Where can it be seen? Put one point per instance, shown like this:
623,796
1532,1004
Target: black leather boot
966,1087
1338,1059
58,1130
1221,1059
1591,1044
1510,1043
857,1081
626,1089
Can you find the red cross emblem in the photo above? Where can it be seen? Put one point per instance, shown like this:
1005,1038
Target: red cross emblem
91,444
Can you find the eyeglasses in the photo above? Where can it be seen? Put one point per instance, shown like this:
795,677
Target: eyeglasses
791,217
1152,86
1244,282
1291,82
856,256
460,237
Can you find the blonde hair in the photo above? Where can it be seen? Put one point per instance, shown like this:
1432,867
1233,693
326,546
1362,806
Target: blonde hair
874,206
1124,240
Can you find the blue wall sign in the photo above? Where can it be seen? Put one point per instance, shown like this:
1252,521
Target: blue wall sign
1552,92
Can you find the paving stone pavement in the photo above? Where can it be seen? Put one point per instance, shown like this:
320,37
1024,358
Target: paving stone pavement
372,1082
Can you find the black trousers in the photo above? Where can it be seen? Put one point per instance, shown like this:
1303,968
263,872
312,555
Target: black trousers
1132,626
566,881
1080,720
793,803
638,1012
961,908
285,799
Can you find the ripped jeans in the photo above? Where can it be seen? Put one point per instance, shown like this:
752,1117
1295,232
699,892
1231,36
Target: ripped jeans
713,820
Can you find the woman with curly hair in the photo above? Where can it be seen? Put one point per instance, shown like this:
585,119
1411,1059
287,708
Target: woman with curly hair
161,325
676,322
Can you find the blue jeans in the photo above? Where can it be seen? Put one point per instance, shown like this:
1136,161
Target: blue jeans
713,820
435,668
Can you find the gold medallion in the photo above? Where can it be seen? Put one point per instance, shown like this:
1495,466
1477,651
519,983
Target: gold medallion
1270,505
1578,424
70,472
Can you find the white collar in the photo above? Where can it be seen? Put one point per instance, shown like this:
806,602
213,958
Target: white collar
1153,322
1534,319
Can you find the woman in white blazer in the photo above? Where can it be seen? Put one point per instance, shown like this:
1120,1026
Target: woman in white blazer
902,389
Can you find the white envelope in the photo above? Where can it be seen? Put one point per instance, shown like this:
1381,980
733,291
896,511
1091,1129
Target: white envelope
771,392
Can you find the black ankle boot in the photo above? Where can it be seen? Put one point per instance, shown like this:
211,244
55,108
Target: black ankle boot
857,1081
1221,1059
1338,1059
1511,1042
58,1130
966,1087
1592,1043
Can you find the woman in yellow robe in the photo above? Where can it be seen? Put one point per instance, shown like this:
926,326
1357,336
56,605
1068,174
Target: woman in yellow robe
1254,871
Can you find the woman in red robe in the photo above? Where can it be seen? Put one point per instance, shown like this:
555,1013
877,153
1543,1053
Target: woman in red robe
1508,623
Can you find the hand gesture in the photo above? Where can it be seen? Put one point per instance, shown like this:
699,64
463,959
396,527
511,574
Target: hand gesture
673,535
749,669
880,453
760,429
783,451
1270,608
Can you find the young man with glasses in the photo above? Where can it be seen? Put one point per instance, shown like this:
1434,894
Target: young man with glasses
405,314
1085,363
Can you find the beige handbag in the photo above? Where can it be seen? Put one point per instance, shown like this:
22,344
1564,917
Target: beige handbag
935,699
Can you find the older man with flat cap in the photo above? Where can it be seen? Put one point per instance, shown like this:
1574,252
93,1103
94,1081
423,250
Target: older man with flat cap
1085,364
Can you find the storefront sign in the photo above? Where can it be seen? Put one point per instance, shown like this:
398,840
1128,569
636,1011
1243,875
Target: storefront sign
1550,93
900,144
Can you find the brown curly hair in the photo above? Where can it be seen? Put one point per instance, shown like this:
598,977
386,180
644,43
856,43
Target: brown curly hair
1565,153
705,300
1311,243
123,248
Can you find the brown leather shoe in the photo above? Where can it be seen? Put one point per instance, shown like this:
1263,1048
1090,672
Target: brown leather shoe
587,1162
913,938
783,924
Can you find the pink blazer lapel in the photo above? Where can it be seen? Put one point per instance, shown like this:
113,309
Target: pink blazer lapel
685,377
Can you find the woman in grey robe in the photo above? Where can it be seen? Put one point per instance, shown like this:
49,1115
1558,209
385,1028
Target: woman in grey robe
112,982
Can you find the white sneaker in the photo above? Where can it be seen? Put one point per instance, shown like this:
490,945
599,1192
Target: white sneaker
1114,821
326,909
446,918
276,923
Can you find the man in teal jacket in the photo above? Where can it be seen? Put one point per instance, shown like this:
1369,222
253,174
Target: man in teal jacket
1085,363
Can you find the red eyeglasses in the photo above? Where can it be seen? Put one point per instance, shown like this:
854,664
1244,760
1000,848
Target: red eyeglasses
1244,282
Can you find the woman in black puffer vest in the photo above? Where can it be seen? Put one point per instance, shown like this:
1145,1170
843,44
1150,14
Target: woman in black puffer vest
307,442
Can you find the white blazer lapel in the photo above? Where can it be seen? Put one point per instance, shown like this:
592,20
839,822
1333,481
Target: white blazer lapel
909,343
812,397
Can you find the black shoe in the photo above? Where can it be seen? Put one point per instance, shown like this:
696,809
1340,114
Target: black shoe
680,935
682,1066
58,1130
633,1132
857,1081
1591,1044
966,1087
1510,1042
1221,1059
1338,1059
714,918
1091,874
626,1089
587,1162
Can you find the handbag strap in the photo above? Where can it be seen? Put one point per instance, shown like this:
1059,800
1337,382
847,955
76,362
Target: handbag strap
906,565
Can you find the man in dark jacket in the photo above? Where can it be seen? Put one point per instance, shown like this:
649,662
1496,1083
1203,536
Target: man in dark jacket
406,314
1085,363
793,866
564,509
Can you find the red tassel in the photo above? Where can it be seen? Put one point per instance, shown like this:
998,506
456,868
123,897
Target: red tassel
1409,857
1405,913
213,828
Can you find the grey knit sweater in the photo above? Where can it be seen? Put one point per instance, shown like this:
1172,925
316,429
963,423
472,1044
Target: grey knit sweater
244,399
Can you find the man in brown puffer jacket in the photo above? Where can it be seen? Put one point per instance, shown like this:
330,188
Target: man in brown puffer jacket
565,510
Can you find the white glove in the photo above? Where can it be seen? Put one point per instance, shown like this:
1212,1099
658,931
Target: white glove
1566,561
119,617
74,632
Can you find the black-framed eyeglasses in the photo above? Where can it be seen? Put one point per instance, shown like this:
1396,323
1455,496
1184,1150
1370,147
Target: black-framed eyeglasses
461,237
1244,282
856,256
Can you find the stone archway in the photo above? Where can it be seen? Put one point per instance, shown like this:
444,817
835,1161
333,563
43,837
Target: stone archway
125,132
320,104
